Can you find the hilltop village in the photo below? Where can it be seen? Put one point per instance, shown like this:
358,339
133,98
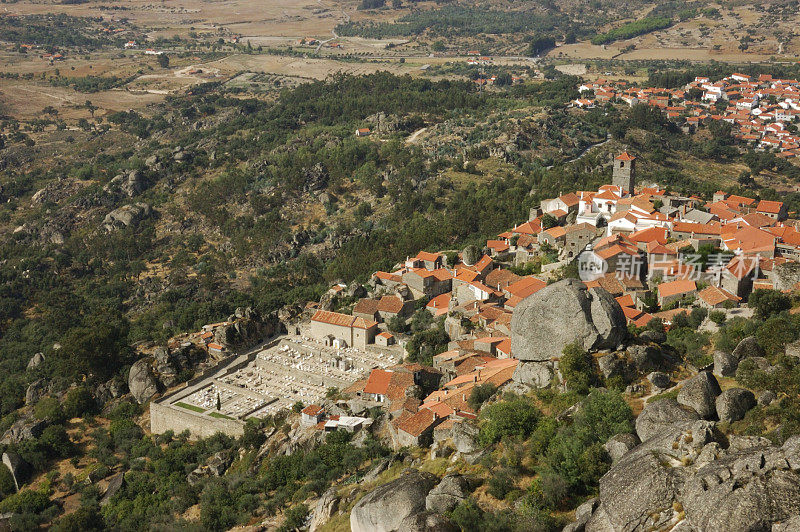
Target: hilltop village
761,110
657,255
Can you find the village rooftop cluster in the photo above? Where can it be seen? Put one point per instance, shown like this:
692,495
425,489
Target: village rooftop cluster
759,109
646,240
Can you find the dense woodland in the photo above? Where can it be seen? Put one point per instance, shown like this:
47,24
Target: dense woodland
53,31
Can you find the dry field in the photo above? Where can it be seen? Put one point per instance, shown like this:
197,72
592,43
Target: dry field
702,39
265,18
281,23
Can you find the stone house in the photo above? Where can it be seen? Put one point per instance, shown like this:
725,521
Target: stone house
428,283
774,209
417,429
392,306
566,202
713,297
738,276
367,309
672,291
384,339
576,237
342,330
311,415
555,236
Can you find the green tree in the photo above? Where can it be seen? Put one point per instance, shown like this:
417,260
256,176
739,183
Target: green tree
717,316
515,417
480,394
769,302
576,367
548,221
78,402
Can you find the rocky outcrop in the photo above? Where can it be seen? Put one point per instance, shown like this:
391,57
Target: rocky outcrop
246,327
130,184
733,404
115,483
427,522
113,388
326,506
748,348
563,313
789,525
169,363
639,490
657,337
617,446
744,491
215,466
449,493
141,381
645,358
126,216
700,393
24,429
36,390
793,349
534,374
465,437
316,178
725,364
35,361
765,398
661,414
611,366
785,276
688,477
582,515
19,468
384,508
659,380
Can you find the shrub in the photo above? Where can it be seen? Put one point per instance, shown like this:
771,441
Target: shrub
26,501
717,316
48,408
515,417
78,402
576,368
501,484
295,517
481,394
768,302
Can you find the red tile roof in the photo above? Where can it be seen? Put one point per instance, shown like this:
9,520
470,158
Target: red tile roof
418,423
770,207
431,257
673,288
378,381
312,410
391,304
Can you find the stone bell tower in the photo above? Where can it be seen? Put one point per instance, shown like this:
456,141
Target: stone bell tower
625,172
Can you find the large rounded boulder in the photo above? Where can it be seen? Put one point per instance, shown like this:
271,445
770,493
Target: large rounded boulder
141,381
564,313
384,508
733,404
660,415
700,393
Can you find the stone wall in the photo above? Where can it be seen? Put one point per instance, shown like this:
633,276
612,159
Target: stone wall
164,417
